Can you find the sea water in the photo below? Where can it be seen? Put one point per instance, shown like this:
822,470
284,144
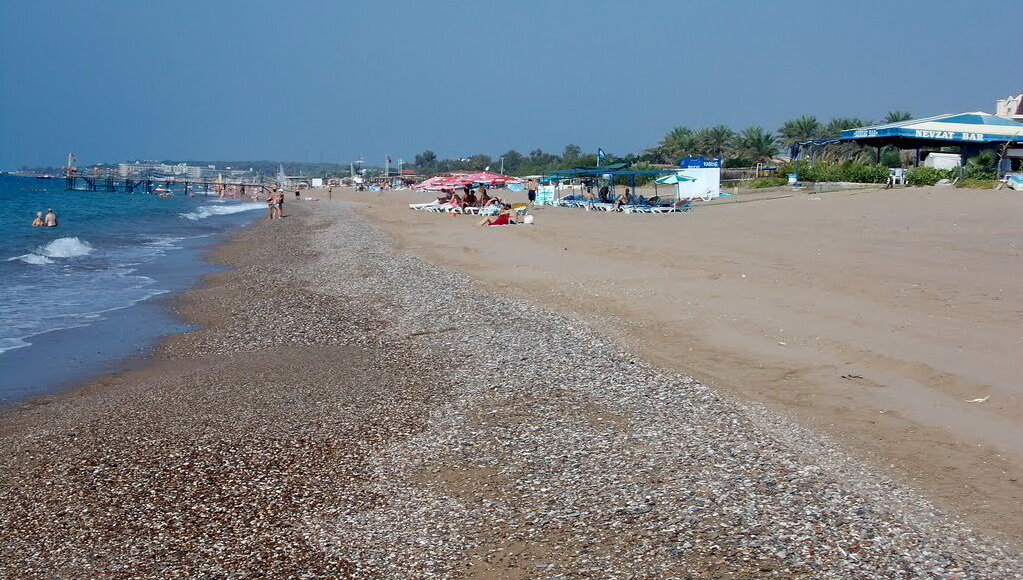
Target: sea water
77,297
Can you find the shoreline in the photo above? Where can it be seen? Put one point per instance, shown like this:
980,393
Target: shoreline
111,331
151,351
338,419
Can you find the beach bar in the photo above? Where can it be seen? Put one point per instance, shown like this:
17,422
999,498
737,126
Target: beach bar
970,132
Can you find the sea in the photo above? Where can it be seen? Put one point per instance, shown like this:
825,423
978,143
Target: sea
83,298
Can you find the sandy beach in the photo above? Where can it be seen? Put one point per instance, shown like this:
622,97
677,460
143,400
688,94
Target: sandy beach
384,393
871,316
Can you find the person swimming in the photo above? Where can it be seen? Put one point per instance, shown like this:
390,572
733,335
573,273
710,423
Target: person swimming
50,219
38,222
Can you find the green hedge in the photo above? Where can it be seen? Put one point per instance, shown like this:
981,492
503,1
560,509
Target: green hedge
918,176
826,171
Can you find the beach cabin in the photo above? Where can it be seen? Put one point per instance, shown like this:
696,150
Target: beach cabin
704,178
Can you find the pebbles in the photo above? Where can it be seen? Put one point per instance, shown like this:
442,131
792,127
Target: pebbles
363,413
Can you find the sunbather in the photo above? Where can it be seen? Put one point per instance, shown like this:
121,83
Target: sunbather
504,217
456,200
622,200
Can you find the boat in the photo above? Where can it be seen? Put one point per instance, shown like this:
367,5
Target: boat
162,191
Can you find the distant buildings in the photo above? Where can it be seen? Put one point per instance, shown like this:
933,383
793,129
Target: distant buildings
139,169
1010,108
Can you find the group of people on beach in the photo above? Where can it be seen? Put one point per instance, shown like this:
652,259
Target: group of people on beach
45,221
497,211
275,204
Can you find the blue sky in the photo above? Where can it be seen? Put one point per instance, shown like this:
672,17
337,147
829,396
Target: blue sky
305,80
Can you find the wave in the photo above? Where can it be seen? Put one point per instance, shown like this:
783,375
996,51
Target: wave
73,307
7,344
65,248
206,211
59,248
31,259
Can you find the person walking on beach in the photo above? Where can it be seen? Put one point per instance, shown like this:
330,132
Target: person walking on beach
531,186
50,219
38,222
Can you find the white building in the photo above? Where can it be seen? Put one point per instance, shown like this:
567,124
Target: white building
1010,108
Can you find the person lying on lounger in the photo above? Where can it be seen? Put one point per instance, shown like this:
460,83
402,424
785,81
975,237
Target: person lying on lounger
505,217
456,200
622,200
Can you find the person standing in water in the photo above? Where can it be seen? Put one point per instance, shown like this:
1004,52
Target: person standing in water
38,222
50,219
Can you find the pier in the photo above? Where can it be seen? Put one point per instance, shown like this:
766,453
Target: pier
149,185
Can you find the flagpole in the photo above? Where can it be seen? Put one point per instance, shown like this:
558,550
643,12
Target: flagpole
387,161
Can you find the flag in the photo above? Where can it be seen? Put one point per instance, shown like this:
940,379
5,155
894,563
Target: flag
600,156
388,158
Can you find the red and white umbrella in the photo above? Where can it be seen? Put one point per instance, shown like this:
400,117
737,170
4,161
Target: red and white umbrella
462,179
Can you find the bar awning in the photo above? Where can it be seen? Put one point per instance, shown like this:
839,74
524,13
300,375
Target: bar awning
975,127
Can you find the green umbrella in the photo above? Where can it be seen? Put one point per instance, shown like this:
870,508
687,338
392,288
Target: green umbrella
674,178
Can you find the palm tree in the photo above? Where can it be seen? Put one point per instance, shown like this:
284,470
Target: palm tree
679,142
835,126
715,140
757,144
801,129
897,116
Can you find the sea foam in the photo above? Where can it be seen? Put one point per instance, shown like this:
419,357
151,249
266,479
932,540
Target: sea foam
31,259
59,248
206,211
66,248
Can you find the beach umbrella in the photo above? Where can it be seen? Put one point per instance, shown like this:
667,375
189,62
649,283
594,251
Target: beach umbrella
673,178
492,178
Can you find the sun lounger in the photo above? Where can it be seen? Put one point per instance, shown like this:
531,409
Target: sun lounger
424,206
685,207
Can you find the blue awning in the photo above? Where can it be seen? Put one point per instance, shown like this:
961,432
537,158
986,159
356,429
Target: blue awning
976,127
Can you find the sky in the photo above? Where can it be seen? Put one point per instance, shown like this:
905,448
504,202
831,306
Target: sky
330,80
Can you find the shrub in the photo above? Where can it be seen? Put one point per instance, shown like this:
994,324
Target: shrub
826,171
977,173
918,176
891,158
763,182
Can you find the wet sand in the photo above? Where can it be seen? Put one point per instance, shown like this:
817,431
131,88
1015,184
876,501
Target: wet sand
872,316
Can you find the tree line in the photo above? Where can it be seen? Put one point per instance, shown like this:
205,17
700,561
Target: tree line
742,148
